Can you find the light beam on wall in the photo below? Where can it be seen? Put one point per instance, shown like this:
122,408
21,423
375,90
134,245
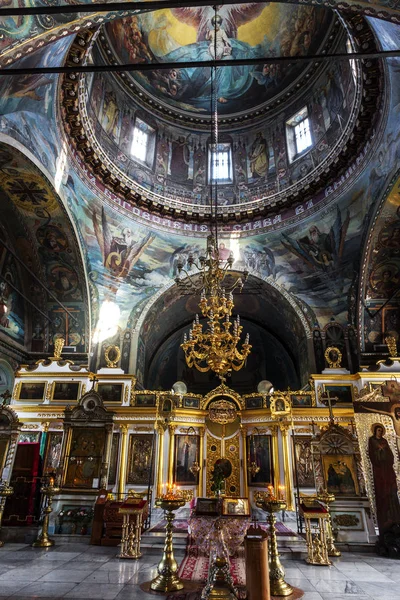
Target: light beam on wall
107,325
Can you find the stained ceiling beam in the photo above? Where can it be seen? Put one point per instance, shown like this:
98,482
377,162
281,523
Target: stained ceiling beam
105,7
129,67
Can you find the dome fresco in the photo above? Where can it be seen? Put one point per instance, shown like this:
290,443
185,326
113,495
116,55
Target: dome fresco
251,30
176,169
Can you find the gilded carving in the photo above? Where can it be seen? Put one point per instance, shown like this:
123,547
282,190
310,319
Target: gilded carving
232,484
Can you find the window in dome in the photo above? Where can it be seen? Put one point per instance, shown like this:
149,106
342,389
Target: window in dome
220,163
143,142
298,134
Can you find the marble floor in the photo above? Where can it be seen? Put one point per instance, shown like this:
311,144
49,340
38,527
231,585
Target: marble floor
79,571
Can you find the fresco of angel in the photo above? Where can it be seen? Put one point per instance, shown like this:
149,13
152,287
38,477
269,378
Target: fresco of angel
321,251
120,253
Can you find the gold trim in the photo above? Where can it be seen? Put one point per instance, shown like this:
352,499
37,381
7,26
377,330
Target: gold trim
17,391
123,459
222,390
275,456
284,427
112,364
333,364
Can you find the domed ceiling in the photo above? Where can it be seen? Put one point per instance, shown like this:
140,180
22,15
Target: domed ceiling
253,30
258,107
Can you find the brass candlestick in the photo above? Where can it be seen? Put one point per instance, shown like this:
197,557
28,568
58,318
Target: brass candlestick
278,585
43,540
167,579
5,492
327,498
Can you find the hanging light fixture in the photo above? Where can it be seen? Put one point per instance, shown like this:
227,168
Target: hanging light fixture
252,464
217,348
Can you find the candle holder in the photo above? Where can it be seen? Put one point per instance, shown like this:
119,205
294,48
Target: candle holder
167,579
327,498
5,492
278,585
48,491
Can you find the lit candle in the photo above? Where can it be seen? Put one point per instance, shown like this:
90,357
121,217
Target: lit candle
51,481
281,492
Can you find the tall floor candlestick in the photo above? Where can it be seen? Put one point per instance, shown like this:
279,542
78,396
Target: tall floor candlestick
167,579
278,585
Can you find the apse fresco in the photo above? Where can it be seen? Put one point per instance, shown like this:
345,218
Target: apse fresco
382,278
50,250
242,31
12,312
27,104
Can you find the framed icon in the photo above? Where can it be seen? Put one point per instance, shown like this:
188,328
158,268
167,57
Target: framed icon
145,400
111,392
235,507
31,390
66,391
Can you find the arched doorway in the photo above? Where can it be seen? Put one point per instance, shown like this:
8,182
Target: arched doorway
279,333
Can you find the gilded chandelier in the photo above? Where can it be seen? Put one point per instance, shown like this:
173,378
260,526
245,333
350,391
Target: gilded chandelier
217,347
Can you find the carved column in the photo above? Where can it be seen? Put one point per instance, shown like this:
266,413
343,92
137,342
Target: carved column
244,454
171,449
284,427
275,457
65,449
160,459
123,460
202,432
106,456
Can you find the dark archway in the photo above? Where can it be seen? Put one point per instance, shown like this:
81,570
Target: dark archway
279,333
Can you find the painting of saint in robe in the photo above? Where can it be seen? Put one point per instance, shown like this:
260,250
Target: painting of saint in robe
259,161
85,458
384,476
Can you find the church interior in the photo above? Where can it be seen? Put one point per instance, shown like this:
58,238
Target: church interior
199,300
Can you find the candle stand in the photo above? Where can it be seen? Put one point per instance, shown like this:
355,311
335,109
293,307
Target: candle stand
48,491
278,585
315,517
132,510
167,579
327,498
5,492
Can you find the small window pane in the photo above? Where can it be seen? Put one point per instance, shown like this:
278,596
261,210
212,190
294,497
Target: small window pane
139,143
302,135
221,163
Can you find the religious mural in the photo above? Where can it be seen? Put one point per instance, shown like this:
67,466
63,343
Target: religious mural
321,289
140,459
177,164
242,31
85,457
12,311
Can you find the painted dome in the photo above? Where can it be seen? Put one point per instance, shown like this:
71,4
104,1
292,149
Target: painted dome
254,30
285,128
